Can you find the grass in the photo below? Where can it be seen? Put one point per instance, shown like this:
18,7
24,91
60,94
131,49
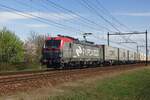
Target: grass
129,86
19,67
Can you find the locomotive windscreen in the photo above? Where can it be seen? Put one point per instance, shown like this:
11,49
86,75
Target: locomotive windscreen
53,43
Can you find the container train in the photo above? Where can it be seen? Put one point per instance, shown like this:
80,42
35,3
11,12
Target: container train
65,51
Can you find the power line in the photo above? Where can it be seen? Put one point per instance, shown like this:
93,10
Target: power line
92,9
109,14
85,19
84,3
97,37
112,17
97,13
43,20
83,24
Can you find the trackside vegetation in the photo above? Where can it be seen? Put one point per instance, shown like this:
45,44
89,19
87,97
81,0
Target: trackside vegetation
129,86
17,54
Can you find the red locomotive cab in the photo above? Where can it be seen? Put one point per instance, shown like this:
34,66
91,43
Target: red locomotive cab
56,43
52,44
52,50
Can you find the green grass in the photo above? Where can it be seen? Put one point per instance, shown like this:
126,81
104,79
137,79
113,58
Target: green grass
129,86
20,67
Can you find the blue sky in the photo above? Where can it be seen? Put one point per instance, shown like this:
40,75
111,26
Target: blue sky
135,14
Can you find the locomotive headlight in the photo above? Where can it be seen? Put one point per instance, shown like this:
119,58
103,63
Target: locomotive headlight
60,54
44,60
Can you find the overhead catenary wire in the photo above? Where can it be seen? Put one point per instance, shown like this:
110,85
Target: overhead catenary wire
98,38
59,6
47,9
80,20
86,5
43,20
84,18
111,16
92,9
63,8
97,13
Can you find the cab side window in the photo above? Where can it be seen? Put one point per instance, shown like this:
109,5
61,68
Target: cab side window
70,45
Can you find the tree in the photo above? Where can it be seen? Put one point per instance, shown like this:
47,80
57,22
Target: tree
33,47
11,47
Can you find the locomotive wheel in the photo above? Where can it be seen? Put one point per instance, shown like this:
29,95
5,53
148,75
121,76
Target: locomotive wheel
48,65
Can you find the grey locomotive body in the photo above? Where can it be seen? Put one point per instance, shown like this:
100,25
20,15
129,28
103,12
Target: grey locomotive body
79,53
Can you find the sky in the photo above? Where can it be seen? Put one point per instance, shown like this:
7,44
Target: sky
134,14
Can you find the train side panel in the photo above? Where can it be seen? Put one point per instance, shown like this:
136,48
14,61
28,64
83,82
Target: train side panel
142,57
131,56
123,55
66,52
85,52
136,57
111,54
77,52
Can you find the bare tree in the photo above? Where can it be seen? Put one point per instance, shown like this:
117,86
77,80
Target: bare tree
33,47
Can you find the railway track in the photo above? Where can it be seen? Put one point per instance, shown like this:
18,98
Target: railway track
27,75
27,80
22,72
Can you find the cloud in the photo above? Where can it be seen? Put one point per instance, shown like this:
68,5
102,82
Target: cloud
55,16
10,16
37,25
142,14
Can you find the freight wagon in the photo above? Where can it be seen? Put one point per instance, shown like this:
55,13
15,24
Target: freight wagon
64,51
123,56
142,57
110,55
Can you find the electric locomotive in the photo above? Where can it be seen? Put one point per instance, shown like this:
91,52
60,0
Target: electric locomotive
63,50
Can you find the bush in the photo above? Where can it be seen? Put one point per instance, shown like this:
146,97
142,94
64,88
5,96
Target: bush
11,50
11,47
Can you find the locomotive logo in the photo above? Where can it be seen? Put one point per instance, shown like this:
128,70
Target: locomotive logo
86,52
79,51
